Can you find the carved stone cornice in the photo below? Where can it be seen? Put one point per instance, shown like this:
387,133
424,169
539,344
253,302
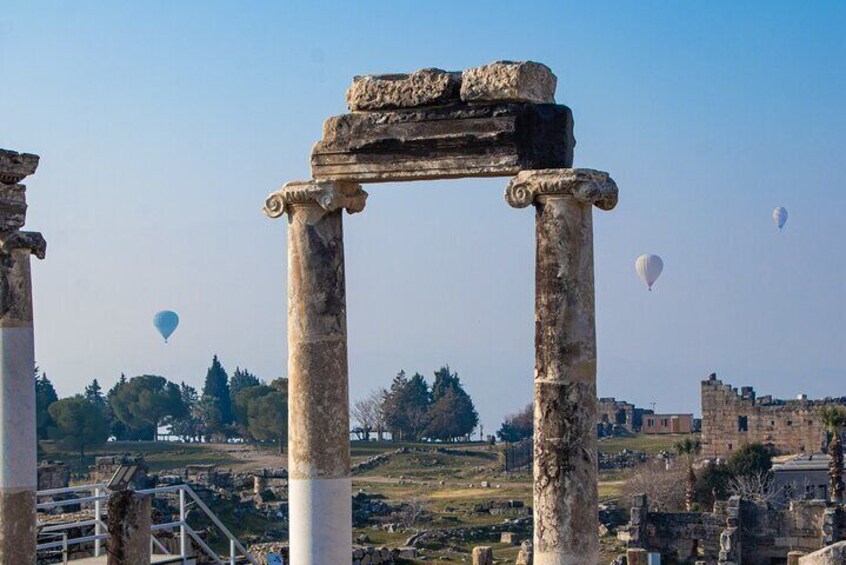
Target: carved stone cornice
586,185
14,166
329,195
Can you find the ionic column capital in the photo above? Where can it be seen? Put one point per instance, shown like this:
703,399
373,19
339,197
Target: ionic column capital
33,242
329,195
586,185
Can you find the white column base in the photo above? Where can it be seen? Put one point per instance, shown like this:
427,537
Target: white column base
17,409
320,521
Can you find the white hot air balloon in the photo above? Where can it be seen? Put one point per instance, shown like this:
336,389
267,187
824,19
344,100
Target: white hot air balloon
649,268
780,217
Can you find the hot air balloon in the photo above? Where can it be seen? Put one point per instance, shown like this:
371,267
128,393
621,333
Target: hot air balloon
649,268
166,322
780,217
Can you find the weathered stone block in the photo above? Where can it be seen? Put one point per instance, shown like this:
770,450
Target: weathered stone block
426,87
508,81
509,538
14,166
12,206
526,554
444,142
129,522
831,555
637,557
483,555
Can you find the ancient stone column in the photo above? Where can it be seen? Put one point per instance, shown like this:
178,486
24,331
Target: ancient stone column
18,465
565,404
130,522
319,488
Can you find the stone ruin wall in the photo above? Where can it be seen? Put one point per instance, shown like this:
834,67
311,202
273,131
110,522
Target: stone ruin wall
613,412
790,426
767,534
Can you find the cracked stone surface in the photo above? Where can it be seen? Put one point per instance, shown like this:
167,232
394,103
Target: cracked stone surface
129,520
565,462
426,87
17,526
318,439
509,81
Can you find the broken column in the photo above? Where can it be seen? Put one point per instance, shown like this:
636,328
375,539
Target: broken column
320,488
129,523
18,475
565,405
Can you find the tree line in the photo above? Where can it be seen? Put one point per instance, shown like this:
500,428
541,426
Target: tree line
241,406
411,410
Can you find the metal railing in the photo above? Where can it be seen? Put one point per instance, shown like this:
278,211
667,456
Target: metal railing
97,493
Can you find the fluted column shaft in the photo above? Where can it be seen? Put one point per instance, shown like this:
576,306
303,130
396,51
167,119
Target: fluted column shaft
320,488
566,525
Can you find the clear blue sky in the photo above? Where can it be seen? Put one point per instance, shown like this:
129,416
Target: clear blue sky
163,125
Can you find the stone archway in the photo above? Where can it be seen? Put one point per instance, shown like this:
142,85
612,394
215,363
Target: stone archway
496,120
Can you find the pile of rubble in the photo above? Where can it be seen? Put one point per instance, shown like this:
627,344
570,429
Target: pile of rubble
626,459
361,554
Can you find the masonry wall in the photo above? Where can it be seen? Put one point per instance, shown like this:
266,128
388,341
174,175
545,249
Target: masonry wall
767,534
731,419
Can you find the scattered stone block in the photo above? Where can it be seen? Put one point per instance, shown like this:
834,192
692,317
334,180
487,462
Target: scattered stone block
483,555
426,87
129,522
793,557
508,537
637,556
407,552
444,142
508,81
526,554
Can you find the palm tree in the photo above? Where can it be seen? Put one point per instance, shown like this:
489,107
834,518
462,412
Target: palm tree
689,448
834,420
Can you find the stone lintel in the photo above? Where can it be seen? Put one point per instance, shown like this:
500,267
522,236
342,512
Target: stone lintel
14,166
426,87
328,195
509,81
462,140
586,185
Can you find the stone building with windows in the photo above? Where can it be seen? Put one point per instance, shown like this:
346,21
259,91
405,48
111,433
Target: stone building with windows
667,423
732,418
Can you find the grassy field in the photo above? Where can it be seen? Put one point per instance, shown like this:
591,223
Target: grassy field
650,444
445,479
158,455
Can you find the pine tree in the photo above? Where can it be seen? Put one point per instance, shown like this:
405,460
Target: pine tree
216,388
45,395
241,379
94,394
451,414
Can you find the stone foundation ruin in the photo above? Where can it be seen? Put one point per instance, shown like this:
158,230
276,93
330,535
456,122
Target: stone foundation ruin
735,531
